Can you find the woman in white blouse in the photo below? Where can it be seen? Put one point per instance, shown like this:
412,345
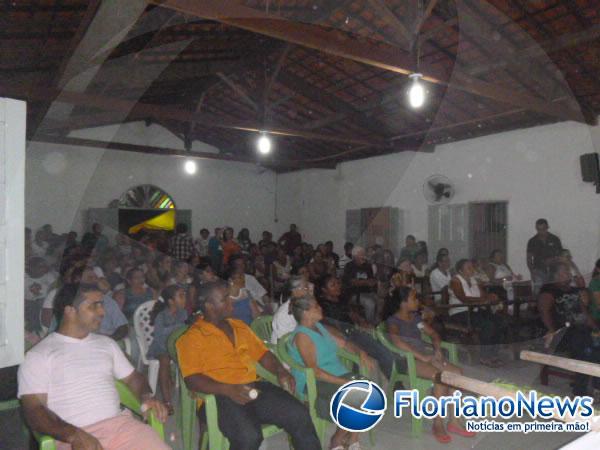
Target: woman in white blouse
464,289
498,270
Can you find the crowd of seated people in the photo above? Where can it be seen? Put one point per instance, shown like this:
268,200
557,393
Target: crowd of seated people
311,291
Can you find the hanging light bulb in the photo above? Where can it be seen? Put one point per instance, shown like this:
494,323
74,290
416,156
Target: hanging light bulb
416,93
190,166
264,144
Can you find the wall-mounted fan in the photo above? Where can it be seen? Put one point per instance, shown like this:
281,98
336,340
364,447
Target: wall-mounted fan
438,189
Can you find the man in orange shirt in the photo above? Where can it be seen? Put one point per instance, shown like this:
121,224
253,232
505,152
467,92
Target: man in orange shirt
218,355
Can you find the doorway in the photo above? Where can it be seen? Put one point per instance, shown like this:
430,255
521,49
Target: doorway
488,224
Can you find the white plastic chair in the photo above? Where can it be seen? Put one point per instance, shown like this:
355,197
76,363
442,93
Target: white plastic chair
126,345
144,336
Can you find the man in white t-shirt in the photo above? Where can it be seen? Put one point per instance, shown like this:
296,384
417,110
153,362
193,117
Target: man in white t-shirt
201,243
345,258
440,276
39,245
67,382
39,279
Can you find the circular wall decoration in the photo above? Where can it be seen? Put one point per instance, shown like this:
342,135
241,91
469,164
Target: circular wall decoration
146,196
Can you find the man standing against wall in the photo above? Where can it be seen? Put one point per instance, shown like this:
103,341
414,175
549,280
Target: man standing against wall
290,240
543,251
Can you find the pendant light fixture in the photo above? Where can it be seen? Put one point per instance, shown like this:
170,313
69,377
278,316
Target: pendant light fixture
263,144
416,92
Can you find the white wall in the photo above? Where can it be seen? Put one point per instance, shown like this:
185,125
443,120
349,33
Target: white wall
13,117
536,170
63,181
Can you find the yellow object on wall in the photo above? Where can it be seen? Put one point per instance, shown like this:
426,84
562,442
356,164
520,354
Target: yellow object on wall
165,221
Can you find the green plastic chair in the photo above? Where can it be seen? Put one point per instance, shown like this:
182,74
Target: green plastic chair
450,347
350,360
263,328
128,400
184,423
14,405
212,435
9,405
409,378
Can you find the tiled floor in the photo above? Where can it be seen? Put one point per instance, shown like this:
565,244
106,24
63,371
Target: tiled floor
393,433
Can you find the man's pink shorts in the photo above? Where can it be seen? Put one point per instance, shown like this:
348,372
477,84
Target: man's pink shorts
123,432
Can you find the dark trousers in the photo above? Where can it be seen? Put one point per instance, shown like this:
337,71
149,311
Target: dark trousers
241,424
578,343
8,383
490,328
374,349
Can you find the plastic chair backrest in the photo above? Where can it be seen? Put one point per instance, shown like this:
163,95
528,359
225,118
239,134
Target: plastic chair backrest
381,334
284,354
263,327
9,405
172,340
144,331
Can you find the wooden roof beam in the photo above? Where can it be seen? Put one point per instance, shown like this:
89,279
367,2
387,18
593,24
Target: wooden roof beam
431,33
87,121
102,27
88,17
149,110
377,55
533,68
266,162
542,49
479,29
238,90
14,7
271,80
437,129
380,8
335,104
428,10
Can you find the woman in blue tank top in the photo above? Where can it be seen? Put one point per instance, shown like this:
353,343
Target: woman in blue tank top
313,346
